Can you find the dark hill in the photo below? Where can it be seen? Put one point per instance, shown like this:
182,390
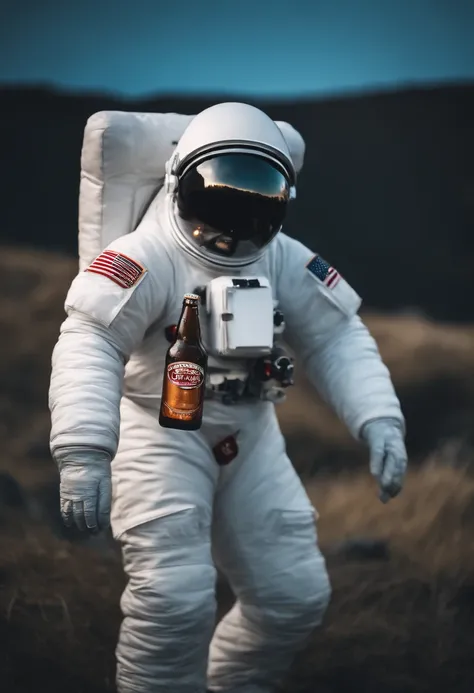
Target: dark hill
387,192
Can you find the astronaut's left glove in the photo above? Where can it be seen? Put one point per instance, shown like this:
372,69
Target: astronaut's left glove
388,455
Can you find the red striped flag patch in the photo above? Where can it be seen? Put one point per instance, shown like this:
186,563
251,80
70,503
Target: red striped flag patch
120,268
323,271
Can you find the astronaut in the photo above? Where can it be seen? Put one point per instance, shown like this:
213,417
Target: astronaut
182,503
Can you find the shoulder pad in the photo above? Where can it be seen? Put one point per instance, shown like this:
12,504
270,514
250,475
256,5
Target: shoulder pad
103,288
333,286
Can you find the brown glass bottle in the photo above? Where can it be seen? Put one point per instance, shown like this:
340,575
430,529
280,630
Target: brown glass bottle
184,377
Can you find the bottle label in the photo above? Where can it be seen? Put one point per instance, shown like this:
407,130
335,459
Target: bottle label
186,375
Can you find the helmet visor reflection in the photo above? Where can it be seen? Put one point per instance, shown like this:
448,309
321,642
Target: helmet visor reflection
236,202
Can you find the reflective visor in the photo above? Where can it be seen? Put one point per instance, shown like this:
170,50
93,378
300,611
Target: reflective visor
236,203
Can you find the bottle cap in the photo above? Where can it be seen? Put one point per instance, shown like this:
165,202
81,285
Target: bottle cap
192,297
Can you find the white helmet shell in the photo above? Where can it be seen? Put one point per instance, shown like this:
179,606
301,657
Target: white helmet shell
230,127
224,129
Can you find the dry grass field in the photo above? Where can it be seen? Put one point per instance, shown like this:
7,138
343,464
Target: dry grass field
403,574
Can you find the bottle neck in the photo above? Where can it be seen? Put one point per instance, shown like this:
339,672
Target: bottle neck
188,329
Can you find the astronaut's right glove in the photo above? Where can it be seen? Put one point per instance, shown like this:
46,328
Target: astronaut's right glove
85,487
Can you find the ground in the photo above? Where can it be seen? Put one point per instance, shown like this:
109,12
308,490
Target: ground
402,610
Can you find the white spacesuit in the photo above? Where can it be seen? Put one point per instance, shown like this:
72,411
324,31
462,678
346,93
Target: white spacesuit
219,214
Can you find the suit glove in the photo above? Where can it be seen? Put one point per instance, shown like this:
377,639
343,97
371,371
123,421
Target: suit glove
85,487
388,455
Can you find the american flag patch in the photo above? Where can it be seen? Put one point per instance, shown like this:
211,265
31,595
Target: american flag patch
323,271
119,268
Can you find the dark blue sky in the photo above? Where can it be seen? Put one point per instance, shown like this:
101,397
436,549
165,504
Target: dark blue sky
269,47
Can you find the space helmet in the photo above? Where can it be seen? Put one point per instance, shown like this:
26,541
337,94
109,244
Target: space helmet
230,177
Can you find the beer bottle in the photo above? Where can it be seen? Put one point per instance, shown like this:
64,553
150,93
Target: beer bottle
184,377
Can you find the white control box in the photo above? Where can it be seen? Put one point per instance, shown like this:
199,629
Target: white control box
240,312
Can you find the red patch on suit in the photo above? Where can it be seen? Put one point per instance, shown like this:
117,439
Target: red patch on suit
226,450
120,268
